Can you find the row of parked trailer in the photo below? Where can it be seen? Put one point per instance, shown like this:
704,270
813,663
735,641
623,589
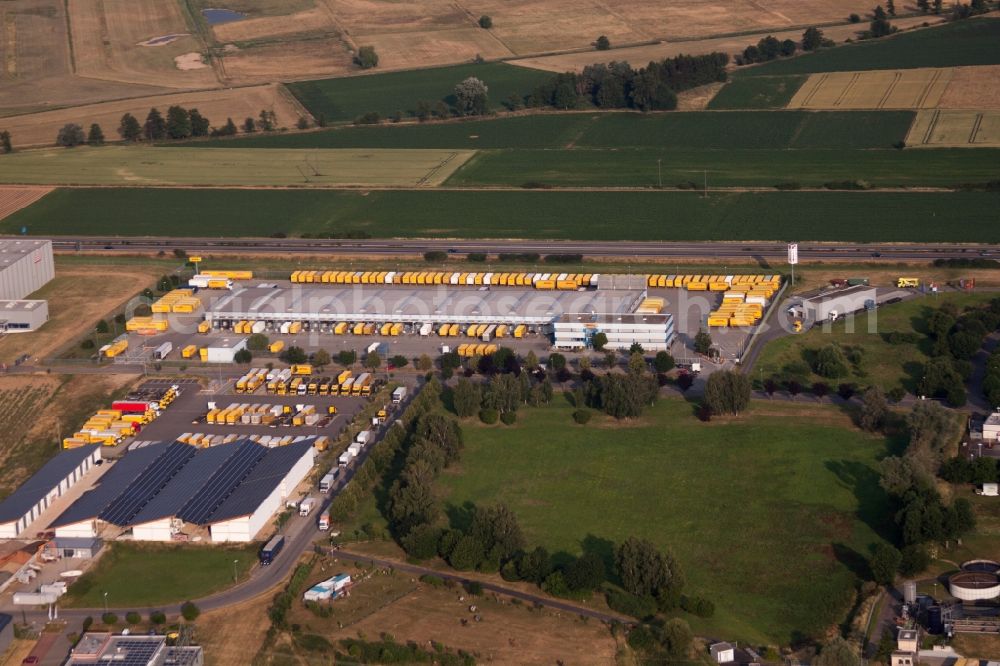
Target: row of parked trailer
481,349
125,419
206,440
284,382
564,281
269,415
181,301
710,282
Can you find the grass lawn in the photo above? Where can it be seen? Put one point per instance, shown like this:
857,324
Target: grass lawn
970,42
884,364
637,167
148,165
736,130
671,215
140,575
770,514
346,98
758,92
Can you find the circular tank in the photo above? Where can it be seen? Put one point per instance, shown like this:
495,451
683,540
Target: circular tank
982,566
974,586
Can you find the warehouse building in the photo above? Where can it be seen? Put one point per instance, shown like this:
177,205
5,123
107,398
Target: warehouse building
159,491
224,351
22,316
655,332
132,650
833,303
25,267
379,304
57,476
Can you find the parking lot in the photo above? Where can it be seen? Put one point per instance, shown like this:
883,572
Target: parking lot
187,415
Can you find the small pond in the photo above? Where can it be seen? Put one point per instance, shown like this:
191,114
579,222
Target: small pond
217,16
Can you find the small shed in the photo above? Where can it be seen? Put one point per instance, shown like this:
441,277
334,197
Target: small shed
83,548
722,653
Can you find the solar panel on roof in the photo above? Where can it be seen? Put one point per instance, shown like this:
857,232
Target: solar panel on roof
223,483
261,482
135,652
147,485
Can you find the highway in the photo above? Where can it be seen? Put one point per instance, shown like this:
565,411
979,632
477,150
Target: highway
706,250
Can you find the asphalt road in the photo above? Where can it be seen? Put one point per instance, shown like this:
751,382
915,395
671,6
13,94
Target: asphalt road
662,250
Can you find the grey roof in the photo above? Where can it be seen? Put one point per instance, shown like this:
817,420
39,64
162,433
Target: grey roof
92,543
122,474
261,482
175,479
18,503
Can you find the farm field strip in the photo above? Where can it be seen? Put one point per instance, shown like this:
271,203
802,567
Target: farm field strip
650,215
645,168
13,199
696,129
970,42
880,89
142,165
946,128
40,129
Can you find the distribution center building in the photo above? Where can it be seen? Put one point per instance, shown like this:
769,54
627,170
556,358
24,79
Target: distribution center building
25,267
57,476
655,332
157,491
22,316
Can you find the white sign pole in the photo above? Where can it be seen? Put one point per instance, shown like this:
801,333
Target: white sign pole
793,258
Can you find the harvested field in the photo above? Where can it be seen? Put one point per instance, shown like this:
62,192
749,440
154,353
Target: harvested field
957,129
639,55
507,633
882,89
106,43
78,296
374,16
13,199
973,88
328,56
312,20
528,26
141,165
233,635
40,129
407,50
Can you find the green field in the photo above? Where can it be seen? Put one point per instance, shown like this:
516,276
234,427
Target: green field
148,165
969,42
637,167
766,513
143,575
885,365
758,92
734,130
346,98
671,215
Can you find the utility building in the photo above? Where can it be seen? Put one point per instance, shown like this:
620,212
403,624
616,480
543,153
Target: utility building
834,303
25,267
22,316
58,475
224,351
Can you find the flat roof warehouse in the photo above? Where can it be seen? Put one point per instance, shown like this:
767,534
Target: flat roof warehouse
423,304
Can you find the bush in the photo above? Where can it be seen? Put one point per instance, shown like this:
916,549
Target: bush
485,22
109,619
157,617
370,118
489,416
87,344
243,356
475,588
189,611
697,606
432,580
87,623
896,394
435,255
476,256
582,416
133,618
630,604
508,418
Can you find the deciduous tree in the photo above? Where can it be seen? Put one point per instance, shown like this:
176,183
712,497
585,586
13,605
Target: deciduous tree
155,127
95,137
727,392
70,135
